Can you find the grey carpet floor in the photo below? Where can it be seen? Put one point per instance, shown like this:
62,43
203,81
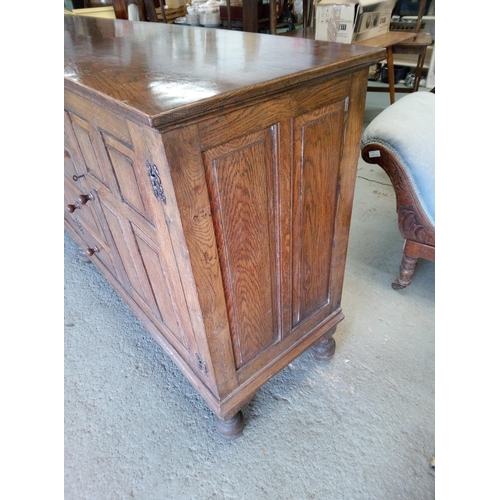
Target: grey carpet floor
360,426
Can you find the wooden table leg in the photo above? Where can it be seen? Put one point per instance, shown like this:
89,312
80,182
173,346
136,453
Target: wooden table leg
418,71
272,17
162,9
228,7
390,73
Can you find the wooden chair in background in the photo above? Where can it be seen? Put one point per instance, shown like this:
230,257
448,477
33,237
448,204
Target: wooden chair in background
417,46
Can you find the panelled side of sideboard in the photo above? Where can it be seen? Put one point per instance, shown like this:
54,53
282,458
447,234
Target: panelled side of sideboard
259,193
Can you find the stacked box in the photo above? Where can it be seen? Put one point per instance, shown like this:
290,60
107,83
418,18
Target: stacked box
351,21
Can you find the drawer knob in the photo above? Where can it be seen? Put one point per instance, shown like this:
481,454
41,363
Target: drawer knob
91,251
84,198
81,200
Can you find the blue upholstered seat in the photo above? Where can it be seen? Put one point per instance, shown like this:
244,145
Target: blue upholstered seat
407,129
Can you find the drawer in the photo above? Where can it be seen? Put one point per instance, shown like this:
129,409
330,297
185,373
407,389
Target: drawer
79,204
91,246
83,219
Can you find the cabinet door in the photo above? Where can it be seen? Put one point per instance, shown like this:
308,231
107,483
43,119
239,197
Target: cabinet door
317,151
243,181
116,156
75,184
81,207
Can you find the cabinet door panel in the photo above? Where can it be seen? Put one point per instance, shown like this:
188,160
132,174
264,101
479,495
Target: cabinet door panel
82,131
241,182
114,166
138,286
127,185
159,283
70,170
149,281
317,153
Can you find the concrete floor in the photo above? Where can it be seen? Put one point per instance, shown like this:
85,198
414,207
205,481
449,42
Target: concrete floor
360,426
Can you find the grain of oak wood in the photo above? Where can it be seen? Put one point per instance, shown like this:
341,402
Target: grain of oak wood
221,175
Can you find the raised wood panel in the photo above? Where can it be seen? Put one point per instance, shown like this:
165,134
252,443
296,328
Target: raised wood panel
118,230
241,182
318,140
112,123
128,185
69,163
159,283
82,130
74,165
149,280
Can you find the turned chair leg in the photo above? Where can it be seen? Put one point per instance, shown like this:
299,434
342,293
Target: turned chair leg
412,251
406,272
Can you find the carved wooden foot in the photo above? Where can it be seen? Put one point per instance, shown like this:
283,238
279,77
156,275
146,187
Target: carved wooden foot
325,348
406,272
232,428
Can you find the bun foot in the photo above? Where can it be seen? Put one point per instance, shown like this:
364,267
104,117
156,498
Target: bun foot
324,349
232,428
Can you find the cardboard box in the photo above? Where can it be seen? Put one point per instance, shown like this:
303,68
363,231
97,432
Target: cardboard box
107,12
175,4
351,21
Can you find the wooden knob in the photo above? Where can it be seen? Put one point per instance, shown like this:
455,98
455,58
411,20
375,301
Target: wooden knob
71,208
91,251
83,198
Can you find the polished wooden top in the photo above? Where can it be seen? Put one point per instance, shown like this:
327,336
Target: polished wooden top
164,73
382,41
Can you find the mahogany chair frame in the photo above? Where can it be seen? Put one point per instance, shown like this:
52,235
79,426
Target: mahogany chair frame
414,225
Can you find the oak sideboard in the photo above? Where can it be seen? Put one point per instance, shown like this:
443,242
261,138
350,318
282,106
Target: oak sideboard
209,176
